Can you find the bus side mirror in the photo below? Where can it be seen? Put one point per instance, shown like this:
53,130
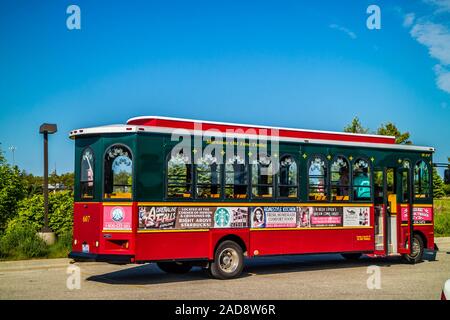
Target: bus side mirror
447,176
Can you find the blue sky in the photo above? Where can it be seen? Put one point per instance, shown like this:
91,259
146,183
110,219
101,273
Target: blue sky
305,64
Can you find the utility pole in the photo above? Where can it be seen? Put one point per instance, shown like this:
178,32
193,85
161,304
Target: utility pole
13,149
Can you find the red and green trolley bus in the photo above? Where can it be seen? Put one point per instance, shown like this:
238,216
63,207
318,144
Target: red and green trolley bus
236,190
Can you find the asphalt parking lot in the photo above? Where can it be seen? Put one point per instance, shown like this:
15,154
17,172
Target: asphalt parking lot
288,277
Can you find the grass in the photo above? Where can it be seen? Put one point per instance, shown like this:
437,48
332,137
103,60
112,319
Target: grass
442,217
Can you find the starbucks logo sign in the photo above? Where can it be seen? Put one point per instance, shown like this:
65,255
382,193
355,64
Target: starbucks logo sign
222,217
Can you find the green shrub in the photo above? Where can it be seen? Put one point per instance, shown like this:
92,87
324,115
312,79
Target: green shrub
442,217
20,241
62,247
60,214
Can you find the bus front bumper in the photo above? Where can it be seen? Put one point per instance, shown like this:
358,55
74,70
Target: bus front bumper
93,257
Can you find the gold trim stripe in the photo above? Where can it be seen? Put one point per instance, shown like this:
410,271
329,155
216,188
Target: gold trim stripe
117,231
418,205
313,228
418,224
172,230
123,204
252,204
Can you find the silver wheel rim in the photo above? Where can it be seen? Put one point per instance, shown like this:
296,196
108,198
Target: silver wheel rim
415,248
228,260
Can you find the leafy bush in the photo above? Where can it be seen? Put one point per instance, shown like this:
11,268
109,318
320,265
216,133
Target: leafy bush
20,241
62,247
12,189
442,217
60,209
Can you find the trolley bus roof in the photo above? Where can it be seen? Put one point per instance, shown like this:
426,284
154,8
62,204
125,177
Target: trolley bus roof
158,124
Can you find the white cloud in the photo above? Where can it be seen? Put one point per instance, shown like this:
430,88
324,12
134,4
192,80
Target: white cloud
441,5
350,33
408,20
443,78
436,38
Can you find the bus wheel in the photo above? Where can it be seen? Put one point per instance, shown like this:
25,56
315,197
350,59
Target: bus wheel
174,267
228,261
416,252
351,256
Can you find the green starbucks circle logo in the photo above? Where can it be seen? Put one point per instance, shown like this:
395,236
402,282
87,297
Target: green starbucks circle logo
222,217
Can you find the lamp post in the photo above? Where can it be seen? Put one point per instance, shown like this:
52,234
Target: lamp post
46,233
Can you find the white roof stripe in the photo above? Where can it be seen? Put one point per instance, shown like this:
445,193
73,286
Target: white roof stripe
133,129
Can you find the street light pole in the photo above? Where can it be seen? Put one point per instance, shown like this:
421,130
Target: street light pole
46,129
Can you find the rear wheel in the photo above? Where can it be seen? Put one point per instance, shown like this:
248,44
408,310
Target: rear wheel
417,249
228,261
174,267
351,256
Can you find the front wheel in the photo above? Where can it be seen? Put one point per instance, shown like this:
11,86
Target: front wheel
417,249
174,267
228,261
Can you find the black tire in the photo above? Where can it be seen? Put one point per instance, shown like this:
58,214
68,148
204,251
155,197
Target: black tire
351,256
228,261
417,250
174,267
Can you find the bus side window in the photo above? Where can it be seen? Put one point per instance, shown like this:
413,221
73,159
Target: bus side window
87,174
317,177
179,176
262,177
340,179
361,180
118,172
287,177
236,178
207,172
421,180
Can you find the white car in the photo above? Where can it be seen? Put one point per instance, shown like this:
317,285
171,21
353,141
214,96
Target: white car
446,291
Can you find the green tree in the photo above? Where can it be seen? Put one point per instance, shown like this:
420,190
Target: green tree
438,185
12,190
390,129
356,127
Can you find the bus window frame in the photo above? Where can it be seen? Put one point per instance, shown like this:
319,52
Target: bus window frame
371,198
166,179
93,173
297,176
350,179
326,178
133,175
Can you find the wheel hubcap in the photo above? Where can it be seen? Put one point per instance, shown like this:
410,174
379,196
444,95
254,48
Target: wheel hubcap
415,248
228,260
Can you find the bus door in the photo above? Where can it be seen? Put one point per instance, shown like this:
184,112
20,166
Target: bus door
380,203
390,200
404,198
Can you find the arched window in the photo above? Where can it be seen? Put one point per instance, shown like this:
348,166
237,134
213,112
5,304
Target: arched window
179,176
340,179
262,177
87,174
361,180
287,177
317,178
421,180
208,177
118,172
236,178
